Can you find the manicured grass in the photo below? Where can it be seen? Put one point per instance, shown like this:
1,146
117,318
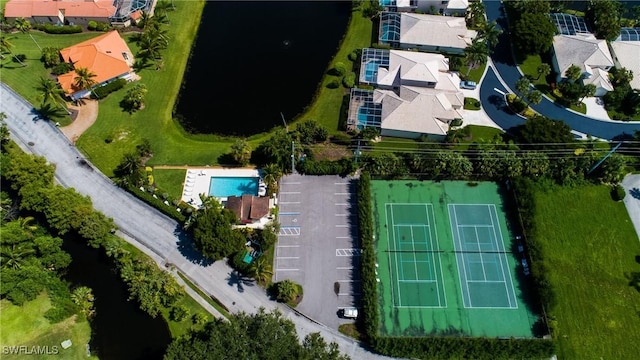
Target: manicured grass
326,108
474,74
471,104
26,325
208,298
179,328
479,132
589,243
170,181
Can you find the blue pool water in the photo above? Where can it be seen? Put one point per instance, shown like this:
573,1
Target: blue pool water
233,186
371,71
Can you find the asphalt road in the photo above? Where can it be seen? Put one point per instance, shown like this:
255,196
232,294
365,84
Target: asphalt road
145,227
506,68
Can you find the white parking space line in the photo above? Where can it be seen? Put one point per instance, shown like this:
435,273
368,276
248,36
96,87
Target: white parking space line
289,202
345,268
343,214
342,225
290,183
287,257
343,237
341,193
289,192
342,204
348,252
287,269
288,246
341,183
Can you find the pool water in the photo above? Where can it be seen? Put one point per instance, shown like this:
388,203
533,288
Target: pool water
233,186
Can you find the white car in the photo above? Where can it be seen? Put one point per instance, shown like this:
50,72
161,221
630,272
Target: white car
348,313
469,85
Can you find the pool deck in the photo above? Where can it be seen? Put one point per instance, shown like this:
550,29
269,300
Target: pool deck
198,179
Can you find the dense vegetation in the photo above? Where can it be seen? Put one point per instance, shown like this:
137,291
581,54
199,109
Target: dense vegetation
259,336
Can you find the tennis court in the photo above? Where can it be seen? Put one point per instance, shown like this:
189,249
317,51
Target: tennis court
444,261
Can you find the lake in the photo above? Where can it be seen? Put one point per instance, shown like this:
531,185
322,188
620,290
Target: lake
253,60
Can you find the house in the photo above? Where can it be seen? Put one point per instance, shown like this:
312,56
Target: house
107,56
445,7
416,94
431,33
75,12
591,55
248,208
626,53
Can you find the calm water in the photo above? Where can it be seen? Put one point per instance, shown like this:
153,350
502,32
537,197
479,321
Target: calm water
233,186
253,60
120,330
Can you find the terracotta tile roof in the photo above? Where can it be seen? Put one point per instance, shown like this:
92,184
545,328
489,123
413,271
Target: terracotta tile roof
87,8
103,55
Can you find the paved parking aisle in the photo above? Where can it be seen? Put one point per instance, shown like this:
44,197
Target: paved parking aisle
317,243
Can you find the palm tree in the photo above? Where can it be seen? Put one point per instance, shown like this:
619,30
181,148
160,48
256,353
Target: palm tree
475,14
534,97
261,271
573,73
476,54
489,32
270,174
50,90
287,290
83,298
543,70
5,46
84,79
13,256
24,26
522,85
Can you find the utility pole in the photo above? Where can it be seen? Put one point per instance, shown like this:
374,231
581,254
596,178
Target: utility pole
293,149
285,123
604,158
357,152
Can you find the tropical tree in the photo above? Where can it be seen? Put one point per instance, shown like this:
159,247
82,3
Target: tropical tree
50,56
588,90
475,14
134,98
489,32
261,270
573,73
50,91
534,97
475,54
84,79
270,174
6,46
83,297
533,32
24,26
15,255
604,17
522,85
286,290
543,70
129,171
241,151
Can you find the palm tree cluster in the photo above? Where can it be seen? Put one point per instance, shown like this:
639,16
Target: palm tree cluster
153,40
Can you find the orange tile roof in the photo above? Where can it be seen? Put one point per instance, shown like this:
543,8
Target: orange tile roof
76,8
101,55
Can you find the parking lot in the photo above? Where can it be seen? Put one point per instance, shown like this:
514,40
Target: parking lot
317,244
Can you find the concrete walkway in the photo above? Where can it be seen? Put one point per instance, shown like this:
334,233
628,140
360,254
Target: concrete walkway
145,227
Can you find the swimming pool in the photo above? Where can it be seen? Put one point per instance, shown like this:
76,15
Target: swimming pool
233,186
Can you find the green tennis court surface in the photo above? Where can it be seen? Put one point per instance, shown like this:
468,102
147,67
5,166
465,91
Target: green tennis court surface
445,262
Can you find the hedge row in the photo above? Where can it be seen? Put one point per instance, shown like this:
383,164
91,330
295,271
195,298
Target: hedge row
168,210
344,167
55,29
102,91
368,258
463,348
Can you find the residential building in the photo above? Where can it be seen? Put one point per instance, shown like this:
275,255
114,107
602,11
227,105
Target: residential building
626,53
432,33
416,94
107,56
248,208
75,12
445,7
591,55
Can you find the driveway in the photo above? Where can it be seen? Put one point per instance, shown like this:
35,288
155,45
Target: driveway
147,229
506,68
316,245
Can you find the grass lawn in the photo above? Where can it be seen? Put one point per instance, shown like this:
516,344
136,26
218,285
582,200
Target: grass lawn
474,74
590,244
211,302
170,181
26,325
471,104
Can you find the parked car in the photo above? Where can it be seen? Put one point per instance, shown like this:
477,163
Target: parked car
525,267
469,85
348,313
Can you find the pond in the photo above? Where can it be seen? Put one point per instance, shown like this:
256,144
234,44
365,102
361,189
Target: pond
120,330
255,60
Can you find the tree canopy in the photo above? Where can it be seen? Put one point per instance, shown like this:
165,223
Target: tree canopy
212,232
259,336
604,17
542,130
533,33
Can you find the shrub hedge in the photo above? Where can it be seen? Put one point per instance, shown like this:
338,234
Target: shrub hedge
368,258
618,193
65,29
344,167
157,203
103,91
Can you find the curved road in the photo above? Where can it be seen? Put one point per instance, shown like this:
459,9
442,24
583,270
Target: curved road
507,69
146,228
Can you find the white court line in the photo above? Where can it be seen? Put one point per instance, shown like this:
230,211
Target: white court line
464,268
503,256
488,281
386,218
435,232
420,281
484,273
395,254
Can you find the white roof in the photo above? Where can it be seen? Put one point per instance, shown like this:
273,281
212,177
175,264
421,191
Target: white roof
600,79
583,50
627,53
458,4
419,110
435,30
412,66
